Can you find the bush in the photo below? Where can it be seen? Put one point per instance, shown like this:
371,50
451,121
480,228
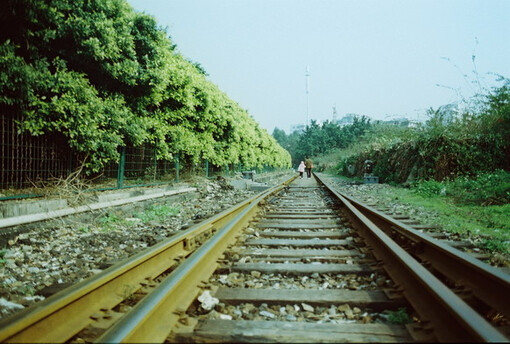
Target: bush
429,188
485,189
451,144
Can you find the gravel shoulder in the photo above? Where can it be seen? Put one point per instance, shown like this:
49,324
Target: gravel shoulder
37,263
390,198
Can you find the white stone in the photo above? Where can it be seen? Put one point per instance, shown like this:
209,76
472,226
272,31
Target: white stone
9,305
307,307
207,300
267,314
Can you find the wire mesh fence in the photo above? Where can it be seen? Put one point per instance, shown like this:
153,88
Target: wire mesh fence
29,163
26,160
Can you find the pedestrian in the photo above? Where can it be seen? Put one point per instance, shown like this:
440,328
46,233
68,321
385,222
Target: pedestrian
308,167
301,169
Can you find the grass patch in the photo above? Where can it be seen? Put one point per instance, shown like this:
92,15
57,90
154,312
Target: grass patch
158,213
153,213
399,317
484,189
2,255
490,222
111,222
460,218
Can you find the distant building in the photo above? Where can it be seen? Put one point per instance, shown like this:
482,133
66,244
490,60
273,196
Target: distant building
401,122
348,119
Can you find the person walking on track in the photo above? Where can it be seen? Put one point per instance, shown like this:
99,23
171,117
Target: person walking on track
308,167
301,168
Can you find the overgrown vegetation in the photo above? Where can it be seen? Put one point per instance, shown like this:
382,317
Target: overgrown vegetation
101,76
484,189
111,222
318,139
456,164
158,212
153,213
488,225
399,317
452,143
472,142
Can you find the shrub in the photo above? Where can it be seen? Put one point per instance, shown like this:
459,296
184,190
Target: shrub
485,189
429,188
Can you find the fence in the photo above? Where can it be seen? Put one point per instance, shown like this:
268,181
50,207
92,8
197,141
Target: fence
28,163
26,160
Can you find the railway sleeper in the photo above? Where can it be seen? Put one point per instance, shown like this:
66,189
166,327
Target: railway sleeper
227,331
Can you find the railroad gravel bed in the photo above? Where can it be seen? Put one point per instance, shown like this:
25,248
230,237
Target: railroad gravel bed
256,279
38,263
380,195
302,312
295,253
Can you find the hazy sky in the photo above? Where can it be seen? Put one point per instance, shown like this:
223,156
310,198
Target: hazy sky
382,59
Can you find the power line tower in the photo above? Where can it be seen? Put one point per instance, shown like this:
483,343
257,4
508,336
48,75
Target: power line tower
334,114
307,75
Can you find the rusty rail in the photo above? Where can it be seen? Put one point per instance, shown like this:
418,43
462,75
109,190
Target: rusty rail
64,314
190,257
442,312
471,276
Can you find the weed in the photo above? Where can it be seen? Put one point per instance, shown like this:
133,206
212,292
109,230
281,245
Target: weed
496,245
84,229
112,222
484,189
491,222
157,213
399,317
25,290
429,188
2,254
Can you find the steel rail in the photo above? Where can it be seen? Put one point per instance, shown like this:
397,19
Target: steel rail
152,319
489,284
65,313
451,319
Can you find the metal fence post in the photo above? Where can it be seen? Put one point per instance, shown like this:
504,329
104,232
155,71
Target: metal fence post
207,168
120,170
177,167
155,164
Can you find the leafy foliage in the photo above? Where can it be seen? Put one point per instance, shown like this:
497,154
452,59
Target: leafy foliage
484,189
320,139
104,76
157,213
451,144
112,222
399,316
2,254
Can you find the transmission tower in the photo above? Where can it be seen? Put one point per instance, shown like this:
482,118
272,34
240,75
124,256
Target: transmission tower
307,75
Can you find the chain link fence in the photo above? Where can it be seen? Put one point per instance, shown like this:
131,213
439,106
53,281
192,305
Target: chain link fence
29,163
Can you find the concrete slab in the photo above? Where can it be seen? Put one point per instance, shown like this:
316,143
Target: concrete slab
24,208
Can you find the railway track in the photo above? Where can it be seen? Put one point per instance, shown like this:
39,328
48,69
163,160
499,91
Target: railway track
297,263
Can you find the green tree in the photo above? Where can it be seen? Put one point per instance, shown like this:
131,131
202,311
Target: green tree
103,76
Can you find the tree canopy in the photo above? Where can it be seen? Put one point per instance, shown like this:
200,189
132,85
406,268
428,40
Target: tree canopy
104,76
319,139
